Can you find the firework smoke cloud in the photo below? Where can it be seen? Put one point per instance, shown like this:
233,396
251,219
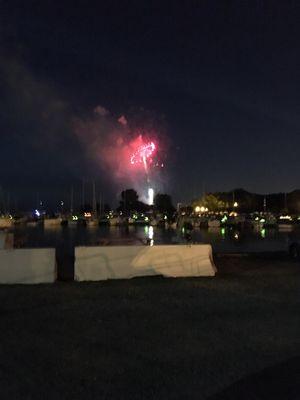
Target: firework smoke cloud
129,156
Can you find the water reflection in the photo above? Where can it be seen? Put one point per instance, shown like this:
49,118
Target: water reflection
221,238
149,232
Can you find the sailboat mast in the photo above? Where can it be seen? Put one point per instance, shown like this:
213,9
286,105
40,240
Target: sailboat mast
83,195
100,204
94,199
71,200
285,201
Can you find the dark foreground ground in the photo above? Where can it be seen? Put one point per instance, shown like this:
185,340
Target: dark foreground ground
235,336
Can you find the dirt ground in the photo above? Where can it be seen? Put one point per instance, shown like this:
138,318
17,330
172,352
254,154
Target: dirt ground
235,336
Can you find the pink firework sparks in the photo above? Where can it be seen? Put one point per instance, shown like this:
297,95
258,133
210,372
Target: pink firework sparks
143,154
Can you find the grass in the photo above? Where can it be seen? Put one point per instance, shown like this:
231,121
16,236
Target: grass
149,338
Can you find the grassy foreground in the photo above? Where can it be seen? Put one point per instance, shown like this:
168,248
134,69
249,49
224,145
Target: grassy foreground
153,338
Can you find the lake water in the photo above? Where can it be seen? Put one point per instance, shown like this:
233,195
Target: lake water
227,240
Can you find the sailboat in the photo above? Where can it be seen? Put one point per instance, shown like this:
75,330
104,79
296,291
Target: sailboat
52,222
285,221
92,218
6,222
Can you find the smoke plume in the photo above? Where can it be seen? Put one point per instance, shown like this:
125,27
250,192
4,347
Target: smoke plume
110,141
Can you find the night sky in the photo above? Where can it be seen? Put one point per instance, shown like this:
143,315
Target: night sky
221,77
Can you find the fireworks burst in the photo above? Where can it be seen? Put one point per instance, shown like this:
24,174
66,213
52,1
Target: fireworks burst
133,157
143,155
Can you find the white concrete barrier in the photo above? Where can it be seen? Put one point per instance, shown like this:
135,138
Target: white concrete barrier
27,266
2,240
123,262
6,240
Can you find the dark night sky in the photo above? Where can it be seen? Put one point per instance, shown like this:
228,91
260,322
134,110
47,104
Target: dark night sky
224,74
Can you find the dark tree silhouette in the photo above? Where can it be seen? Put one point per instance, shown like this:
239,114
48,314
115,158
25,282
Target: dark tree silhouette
163,203
130,202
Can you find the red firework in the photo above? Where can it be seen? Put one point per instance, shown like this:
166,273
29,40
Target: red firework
143,154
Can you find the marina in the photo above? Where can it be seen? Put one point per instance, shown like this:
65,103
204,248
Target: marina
223,239
150,200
